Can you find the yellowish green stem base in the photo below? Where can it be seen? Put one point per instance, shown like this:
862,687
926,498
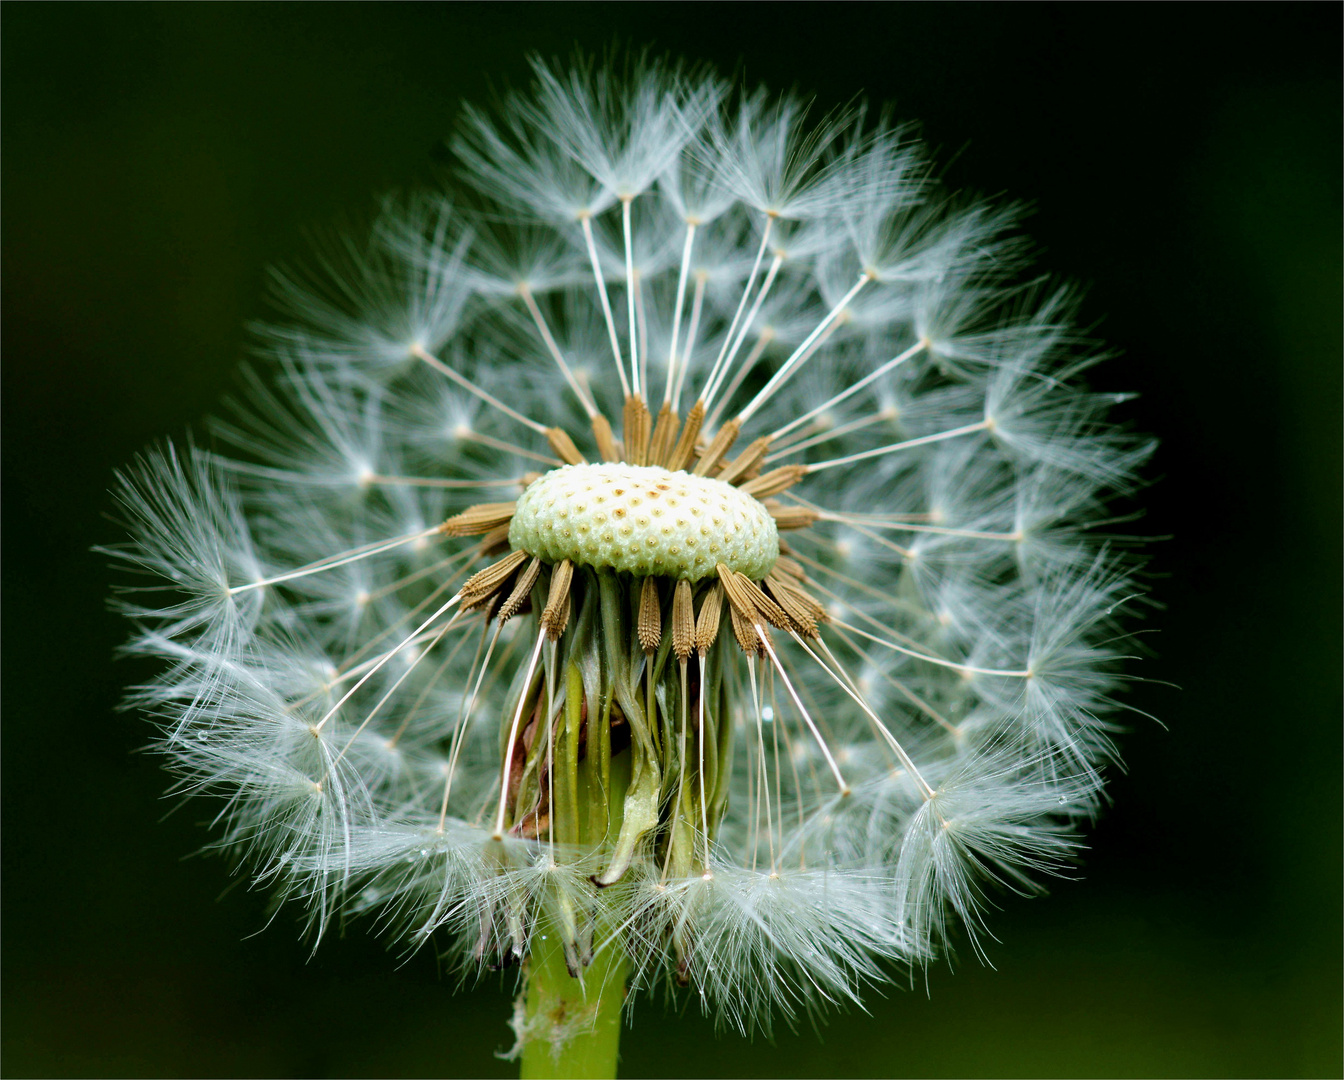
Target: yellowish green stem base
571,1028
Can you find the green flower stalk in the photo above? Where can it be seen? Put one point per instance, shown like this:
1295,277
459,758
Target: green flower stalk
669,560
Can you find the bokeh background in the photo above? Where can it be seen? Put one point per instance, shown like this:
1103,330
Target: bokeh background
1184,165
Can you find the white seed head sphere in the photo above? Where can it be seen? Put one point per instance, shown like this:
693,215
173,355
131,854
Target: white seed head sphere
945,650
644,520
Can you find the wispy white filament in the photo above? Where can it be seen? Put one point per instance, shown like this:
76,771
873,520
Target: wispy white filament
545,331
587,225
801,353
466,384
850,390
676,311
728,336
334,561
930,716
893,448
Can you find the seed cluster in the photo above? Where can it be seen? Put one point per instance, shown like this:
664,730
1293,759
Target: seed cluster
644,520
654,711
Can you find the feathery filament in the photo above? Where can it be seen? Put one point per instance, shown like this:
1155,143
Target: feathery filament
756,697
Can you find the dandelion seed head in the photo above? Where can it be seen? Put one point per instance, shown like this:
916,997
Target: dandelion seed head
678,543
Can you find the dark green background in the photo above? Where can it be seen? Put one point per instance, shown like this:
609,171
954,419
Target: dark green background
1184,163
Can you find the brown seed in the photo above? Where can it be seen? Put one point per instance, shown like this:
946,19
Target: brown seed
485,583
707,623
606,442
802,610
564,446
522,589
650,631
747,638
556,615
747,464
775,481
664,432
746,597
478,519
685,448
637,427
791,517
683,621
727,435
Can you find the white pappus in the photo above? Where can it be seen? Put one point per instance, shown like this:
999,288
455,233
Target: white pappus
765,715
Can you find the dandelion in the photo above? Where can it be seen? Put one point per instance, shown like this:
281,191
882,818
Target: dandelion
670,561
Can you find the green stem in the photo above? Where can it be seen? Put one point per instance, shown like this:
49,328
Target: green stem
571,1029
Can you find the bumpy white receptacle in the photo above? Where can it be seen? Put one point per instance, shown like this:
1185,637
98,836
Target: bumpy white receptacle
644,520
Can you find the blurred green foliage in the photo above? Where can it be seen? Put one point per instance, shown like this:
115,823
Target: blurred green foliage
1184,163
